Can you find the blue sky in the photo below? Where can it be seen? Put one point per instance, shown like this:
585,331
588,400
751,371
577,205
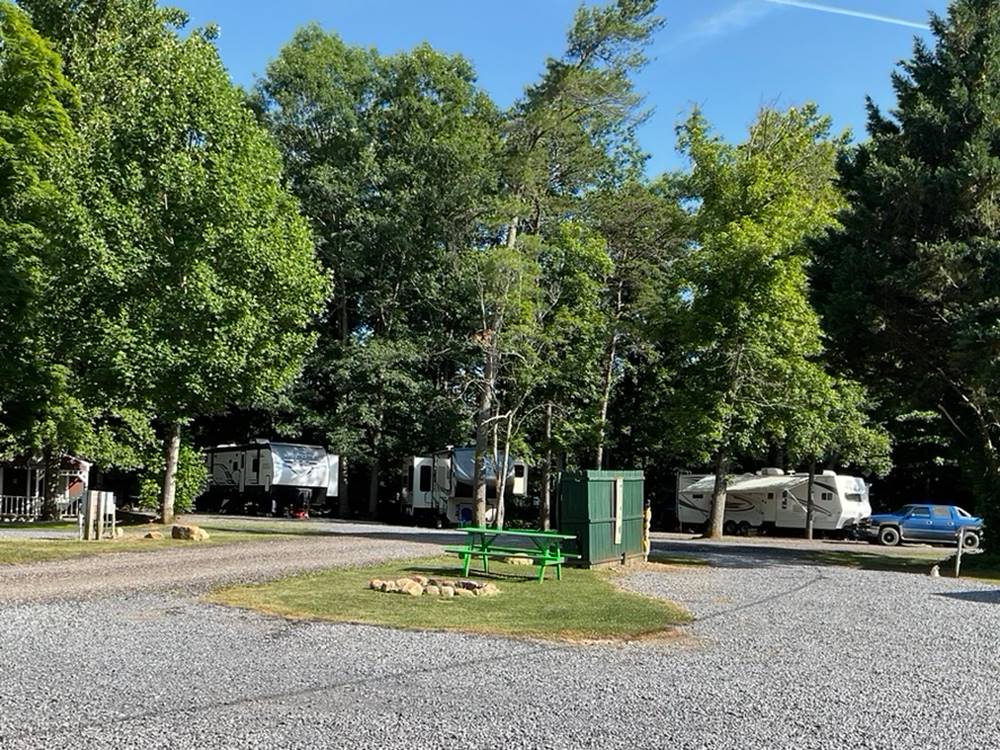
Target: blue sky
728,56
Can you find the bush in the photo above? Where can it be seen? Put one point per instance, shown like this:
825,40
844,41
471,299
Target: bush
192,476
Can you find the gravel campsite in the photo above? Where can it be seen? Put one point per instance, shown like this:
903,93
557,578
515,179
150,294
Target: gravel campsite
782,653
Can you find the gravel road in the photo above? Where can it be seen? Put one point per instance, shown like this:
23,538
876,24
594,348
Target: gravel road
783,655
194,569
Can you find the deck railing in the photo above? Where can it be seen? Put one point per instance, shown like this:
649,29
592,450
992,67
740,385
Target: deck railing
20,507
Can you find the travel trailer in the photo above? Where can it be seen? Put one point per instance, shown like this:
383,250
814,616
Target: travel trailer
772,499
269,478
438,488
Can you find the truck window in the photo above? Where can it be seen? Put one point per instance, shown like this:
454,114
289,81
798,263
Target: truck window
425,478
919,512
940,512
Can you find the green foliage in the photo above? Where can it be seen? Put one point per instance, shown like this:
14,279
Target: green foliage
910,285
42,230
575,128
395,161
744,333
192,477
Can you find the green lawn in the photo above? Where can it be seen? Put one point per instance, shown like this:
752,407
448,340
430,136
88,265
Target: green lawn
584,605
20,551
985,565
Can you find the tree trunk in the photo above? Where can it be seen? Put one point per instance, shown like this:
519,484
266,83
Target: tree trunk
608,375
512,232
343,499
501,463
809,498
717,516
373,490
482,438
545,500
50,482
171,451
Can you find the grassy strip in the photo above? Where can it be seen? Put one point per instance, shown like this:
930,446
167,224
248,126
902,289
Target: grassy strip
584,605
23,551
985,565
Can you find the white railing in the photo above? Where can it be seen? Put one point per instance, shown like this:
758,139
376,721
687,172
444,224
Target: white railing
20,507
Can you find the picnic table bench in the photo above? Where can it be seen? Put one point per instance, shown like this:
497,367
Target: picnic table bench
483,543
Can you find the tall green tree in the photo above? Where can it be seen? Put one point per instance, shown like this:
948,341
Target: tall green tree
644,229
910,284
395,160
210,275
572,131
744,330
45,246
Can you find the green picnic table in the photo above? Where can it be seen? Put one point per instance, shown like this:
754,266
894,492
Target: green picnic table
485,543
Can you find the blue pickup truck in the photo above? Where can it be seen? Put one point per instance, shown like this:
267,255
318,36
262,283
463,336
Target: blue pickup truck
921,522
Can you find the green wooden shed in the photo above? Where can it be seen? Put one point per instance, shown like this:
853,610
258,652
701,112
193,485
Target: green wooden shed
604,509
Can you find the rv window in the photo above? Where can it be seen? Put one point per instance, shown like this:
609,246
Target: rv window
255,465
425,478
409,479
518,470
854,497
770,496
235,464
697,497
826,496
940,512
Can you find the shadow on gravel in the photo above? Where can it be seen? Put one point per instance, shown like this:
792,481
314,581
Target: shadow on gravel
747,556
980,597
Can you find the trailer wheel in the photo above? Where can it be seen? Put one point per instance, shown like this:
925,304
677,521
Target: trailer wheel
889,536
744,528
729,528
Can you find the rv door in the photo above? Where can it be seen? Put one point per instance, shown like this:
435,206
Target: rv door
422,483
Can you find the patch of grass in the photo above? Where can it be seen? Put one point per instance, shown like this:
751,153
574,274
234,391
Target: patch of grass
985,565
30,550
584,605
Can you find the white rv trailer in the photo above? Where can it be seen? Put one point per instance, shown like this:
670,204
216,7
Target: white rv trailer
269,478
439,487
772,499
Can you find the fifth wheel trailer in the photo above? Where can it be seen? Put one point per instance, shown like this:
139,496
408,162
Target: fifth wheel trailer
772,499
269,478
439,488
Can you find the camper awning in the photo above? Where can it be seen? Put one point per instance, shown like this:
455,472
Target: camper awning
751,483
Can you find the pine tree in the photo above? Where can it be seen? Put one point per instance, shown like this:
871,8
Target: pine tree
911,285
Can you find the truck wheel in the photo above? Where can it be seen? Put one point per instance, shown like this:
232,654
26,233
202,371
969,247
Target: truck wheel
971,540
889,536
729,528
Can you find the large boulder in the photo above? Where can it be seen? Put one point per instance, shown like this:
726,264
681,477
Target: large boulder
153,535
190,533
447,592
432,591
